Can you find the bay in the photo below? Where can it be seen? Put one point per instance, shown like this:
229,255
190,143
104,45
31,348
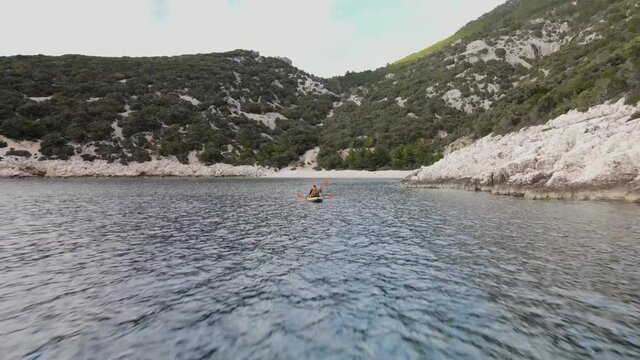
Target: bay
240,268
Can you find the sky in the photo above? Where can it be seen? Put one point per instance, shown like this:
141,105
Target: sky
323,37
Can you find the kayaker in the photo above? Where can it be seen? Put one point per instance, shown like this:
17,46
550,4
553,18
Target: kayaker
315,192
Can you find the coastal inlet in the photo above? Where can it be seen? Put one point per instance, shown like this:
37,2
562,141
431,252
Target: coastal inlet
240,269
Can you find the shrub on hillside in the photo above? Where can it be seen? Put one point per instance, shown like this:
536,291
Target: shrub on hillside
53,146
211,154
109,152
140,155
88,157
22,129
632,49
21,153
9,102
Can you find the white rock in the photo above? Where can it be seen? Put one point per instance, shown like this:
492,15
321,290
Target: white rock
479,50
117,130
164,167
430,92
355,99
234,105
309,159
40,98
269,119
595,154
401,102
455,100
190,99
310,86
479,77
591,38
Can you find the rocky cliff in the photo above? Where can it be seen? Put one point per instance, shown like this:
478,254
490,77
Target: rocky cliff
578,155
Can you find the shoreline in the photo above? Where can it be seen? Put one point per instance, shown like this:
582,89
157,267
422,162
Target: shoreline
77,168
619,193
73,169
16,168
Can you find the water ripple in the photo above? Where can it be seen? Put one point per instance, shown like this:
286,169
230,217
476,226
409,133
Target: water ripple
236,269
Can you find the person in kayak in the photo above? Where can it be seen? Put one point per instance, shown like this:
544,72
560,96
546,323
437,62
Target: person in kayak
315,192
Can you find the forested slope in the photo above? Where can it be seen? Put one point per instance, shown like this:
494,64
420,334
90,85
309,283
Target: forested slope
519,65
236,107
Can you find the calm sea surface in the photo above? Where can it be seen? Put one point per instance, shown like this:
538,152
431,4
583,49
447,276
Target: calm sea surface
238,269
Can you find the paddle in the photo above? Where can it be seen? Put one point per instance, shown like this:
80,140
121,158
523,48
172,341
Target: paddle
325,185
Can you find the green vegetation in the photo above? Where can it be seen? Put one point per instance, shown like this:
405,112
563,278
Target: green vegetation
439,46
53,146
510,17
21,153
169,106
404,106
405,157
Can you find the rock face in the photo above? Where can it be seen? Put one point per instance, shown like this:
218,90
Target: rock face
461,143
590,155
20,167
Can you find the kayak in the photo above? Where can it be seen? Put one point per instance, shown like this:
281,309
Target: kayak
315,199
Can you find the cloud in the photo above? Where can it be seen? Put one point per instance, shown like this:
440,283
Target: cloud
325,37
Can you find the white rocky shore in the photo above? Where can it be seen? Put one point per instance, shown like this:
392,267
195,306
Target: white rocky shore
17,166
579,155
20,167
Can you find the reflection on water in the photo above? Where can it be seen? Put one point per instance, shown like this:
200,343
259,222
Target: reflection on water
196,268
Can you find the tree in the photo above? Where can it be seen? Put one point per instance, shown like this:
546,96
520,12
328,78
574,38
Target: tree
54,146
211,154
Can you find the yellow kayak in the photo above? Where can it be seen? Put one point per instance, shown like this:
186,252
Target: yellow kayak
315,199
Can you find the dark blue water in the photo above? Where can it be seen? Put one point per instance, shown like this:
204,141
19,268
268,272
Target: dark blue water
237,269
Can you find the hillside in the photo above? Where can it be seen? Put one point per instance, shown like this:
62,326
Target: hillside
236,107
520,65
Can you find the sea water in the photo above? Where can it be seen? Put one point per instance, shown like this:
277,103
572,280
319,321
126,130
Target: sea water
241,269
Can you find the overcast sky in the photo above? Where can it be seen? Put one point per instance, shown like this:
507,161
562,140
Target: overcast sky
323,37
